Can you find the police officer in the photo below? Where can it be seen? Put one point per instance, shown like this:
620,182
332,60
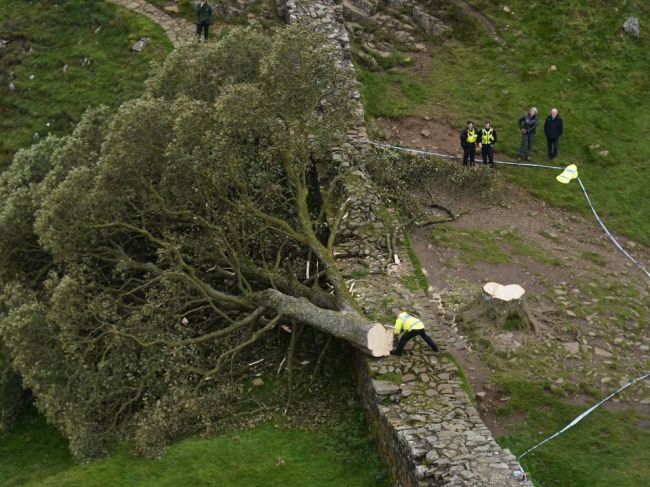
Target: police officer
527,126
468,141
408,327
487,137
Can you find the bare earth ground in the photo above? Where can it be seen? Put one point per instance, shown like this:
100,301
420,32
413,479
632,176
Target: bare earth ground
592,304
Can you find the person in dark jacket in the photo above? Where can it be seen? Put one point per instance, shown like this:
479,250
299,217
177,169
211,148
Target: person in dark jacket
487,137
468,141
553,128
203,19
527,126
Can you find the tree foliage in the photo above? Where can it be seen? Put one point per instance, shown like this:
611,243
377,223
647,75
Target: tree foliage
155,247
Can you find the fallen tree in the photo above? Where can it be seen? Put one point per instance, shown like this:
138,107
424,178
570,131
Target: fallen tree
155,248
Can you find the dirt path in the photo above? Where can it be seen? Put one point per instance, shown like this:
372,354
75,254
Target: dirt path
592,304
177,29
482,18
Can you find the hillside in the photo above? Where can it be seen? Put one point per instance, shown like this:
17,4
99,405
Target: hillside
495,61
62,57
571,55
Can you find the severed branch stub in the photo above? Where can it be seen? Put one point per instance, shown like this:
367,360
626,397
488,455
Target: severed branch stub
503,305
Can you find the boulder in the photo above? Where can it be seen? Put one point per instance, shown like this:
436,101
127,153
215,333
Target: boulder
631,26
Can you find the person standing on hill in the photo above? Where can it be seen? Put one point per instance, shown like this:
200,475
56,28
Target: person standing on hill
487,137
468,140
527,126
203,19
553,128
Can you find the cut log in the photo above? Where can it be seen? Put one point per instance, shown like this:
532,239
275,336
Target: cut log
349,325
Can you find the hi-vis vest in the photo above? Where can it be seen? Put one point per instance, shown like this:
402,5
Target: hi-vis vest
471,136
405,322
569,173
487,136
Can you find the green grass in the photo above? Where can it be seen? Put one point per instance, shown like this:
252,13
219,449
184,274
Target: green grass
418,280
393,377
62,33
32,451
271,455
605,449
490,247
600,87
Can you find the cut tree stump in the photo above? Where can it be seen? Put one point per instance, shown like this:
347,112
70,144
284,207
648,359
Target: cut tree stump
501,304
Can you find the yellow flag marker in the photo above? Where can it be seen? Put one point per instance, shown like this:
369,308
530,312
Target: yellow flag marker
569,173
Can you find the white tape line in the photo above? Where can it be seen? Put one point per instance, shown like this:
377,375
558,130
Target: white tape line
611,237
585,414
450,156
584,191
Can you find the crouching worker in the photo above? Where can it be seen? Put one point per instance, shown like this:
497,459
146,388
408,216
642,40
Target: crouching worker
408,327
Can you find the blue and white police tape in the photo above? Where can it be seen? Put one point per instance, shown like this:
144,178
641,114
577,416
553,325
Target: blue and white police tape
543,166
585,414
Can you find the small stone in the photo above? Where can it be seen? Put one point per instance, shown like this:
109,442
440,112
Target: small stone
408,378
506,9
571,313
257,382
631,26
141,44
384,388
572,347
602,353
553,67
480,395
425,133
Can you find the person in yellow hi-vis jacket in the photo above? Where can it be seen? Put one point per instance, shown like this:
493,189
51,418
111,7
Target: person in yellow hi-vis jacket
408,327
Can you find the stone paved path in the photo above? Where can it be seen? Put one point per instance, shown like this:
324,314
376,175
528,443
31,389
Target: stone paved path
178,30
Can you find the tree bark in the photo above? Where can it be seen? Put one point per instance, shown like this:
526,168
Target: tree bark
349,325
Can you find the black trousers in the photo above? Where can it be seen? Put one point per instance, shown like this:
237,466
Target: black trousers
526,147
409,335
487,151
469,154
552,148
202,27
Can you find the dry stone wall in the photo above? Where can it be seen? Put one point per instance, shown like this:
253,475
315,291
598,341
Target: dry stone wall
427,428
326,16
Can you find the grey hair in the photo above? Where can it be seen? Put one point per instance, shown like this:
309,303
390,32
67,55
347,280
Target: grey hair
534,110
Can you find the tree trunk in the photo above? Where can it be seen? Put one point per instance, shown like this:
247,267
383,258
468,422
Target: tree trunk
349,325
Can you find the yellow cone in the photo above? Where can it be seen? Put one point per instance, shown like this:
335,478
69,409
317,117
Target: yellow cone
569,173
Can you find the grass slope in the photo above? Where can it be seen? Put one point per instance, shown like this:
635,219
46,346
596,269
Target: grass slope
605,449
63,33
267,456
601,86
